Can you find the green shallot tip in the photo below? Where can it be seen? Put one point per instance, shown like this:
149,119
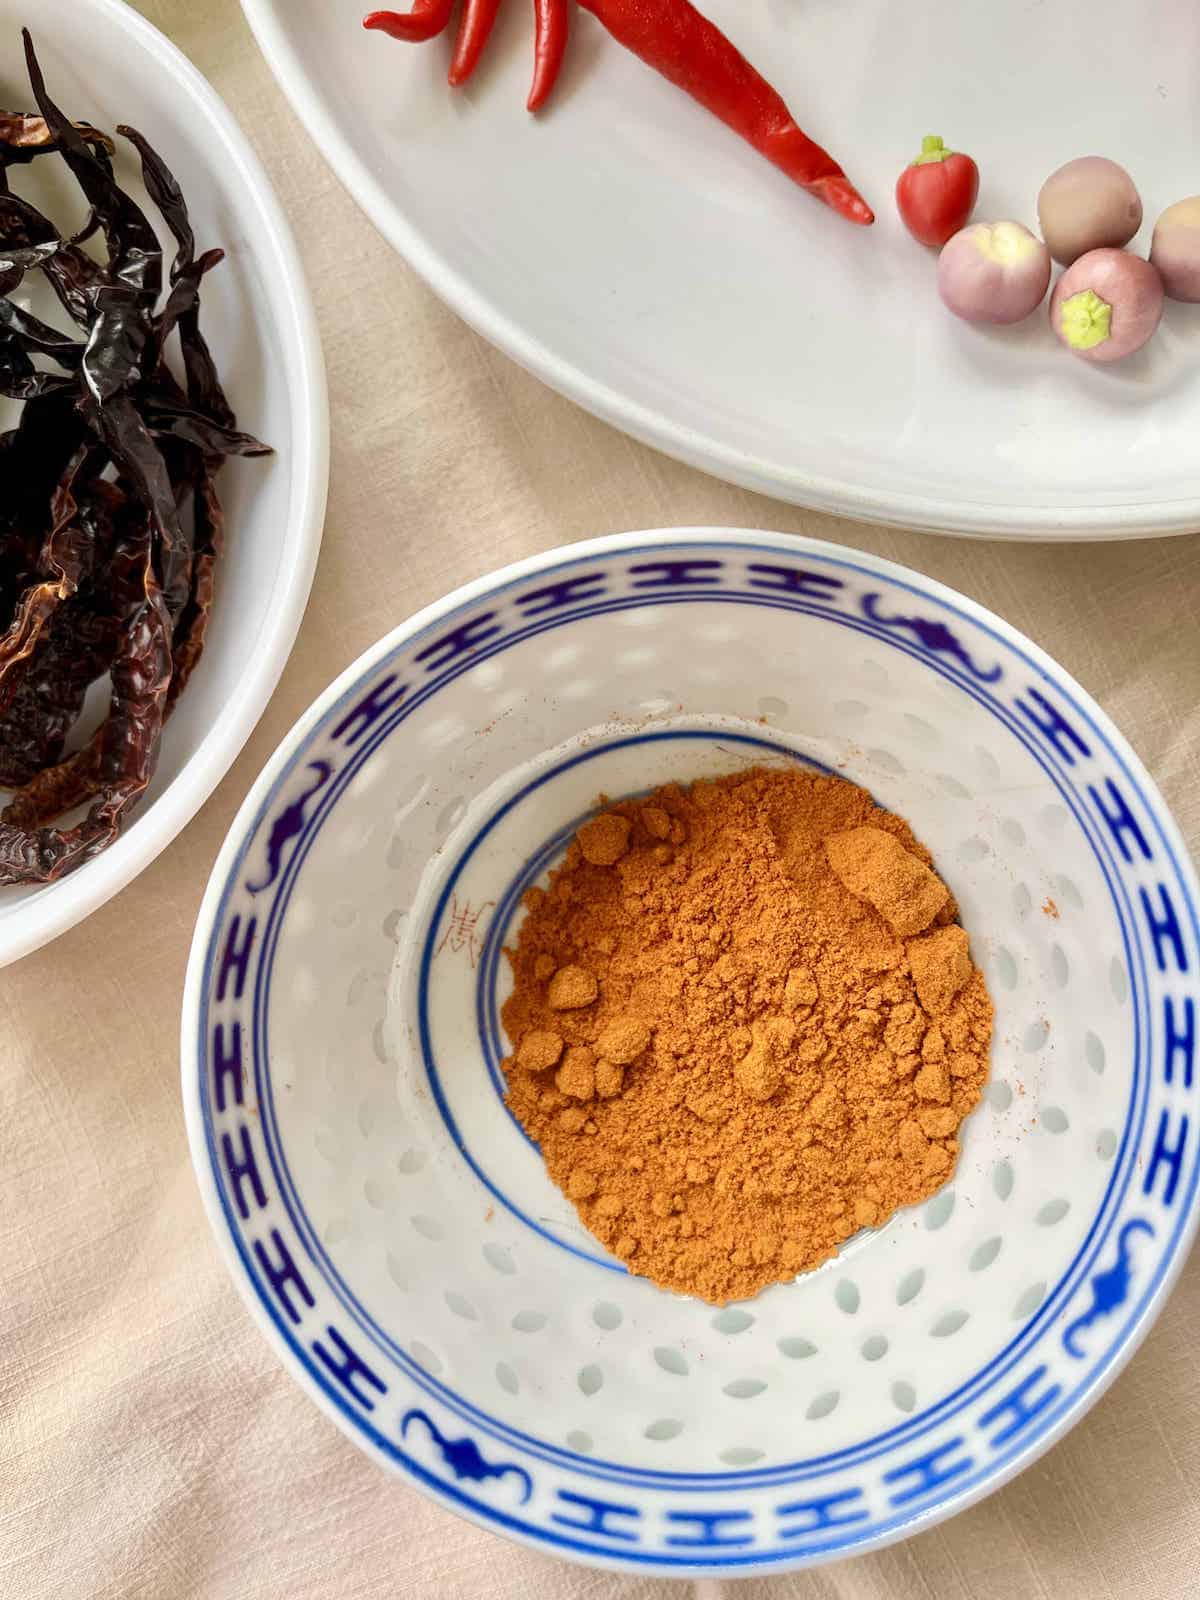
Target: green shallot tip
1086,320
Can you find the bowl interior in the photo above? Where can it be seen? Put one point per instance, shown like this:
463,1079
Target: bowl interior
251,318
380,874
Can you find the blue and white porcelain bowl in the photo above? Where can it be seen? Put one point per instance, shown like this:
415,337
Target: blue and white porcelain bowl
393,1229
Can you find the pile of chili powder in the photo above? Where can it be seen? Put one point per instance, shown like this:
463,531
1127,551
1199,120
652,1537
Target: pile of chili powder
745,1024
110,525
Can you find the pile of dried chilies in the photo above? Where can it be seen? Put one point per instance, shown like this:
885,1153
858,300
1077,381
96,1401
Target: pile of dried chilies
677,41
110,526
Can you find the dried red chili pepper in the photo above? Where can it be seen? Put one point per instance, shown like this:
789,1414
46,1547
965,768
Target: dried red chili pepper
64,560
192,625
110,525
474,31
22,132
126,747
135,265
78,650
550,43
672,37
425,21
50,794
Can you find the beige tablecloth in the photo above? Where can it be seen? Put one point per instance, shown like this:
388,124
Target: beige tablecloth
150,1444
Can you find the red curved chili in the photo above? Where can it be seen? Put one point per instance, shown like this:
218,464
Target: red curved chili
425,21
551,21
473,33
672,37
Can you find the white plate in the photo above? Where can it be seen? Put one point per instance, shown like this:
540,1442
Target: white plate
103,62
637,256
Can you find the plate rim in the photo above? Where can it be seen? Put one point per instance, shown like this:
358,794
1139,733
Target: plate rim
46,917
833,496
192,1063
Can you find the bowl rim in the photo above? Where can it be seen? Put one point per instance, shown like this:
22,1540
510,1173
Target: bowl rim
48,915
473,591
836,496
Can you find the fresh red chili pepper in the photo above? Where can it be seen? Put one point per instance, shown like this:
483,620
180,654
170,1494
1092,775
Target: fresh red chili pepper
936,193
672,37
425,21
473,33
550,17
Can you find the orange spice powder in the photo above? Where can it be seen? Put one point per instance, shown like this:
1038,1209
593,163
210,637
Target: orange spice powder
746,1024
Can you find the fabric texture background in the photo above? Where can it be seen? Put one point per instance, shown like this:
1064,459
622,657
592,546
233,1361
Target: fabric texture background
151,1447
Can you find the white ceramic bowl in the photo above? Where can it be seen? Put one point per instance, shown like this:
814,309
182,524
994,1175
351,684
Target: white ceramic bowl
104,62
395,1233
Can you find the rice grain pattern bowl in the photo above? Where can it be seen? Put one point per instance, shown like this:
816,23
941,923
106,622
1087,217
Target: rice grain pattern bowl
395,1233
104,62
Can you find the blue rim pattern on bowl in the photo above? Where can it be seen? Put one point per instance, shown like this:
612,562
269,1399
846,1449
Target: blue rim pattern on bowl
819,1507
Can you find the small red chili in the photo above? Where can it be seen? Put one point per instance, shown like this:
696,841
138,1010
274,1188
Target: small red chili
550,41
936,193
677,41
672,37
425,21
473,33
